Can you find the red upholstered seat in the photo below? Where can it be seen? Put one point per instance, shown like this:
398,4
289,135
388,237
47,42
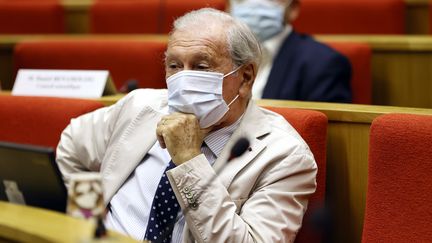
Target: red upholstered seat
39,120
31,17
126,60
312,126
351,17
142,16
125,16
360,57
399,195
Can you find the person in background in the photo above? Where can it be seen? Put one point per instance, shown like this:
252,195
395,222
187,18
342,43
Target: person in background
295,66
163,154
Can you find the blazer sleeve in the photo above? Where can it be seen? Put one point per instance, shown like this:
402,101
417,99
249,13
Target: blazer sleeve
84,141
328,80
272,213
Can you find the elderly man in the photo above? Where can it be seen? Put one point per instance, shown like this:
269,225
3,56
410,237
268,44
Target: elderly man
295,66
160,152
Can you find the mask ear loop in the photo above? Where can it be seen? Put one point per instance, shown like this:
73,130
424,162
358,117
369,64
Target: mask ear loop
233,71
232,101
228,74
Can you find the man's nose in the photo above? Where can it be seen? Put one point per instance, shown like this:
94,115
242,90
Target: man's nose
187,67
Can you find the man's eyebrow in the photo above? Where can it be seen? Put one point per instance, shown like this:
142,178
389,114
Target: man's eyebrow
201,55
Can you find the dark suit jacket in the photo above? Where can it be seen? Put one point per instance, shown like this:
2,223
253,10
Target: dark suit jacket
305,69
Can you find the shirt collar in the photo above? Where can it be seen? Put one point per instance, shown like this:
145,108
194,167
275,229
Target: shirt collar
216,140
273,44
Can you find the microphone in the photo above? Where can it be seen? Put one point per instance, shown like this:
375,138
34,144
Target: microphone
239,148
321,220
129,85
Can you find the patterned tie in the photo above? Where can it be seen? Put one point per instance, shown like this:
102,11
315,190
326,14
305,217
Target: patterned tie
163,212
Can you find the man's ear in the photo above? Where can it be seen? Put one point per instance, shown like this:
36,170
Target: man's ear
292,11
248,77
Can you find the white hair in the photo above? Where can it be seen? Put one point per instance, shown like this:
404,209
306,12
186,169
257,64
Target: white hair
243,46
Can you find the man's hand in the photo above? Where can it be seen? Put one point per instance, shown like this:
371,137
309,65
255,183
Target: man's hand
181,135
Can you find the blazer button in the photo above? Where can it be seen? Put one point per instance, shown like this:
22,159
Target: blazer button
191,200
193,205
186,190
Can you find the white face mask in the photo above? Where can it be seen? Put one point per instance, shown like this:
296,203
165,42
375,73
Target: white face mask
265,18
199,93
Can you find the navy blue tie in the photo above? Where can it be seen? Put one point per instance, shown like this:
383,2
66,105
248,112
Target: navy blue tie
163,212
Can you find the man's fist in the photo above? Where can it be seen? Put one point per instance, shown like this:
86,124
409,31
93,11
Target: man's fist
181,134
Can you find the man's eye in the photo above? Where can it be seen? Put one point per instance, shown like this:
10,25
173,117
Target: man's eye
173,65
202,67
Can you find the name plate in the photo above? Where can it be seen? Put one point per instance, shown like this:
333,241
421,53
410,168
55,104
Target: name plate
60,83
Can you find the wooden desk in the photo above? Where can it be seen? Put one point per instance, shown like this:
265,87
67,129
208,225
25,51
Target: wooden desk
28,224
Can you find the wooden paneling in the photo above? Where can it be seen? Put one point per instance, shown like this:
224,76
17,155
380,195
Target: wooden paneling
402,79
417,17
347,178
77,15
401,69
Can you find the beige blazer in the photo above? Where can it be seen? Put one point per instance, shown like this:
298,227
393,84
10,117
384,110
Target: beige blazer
258,197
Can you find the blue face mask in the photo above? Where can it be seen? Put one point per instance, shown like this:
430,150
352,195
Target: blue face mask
266,19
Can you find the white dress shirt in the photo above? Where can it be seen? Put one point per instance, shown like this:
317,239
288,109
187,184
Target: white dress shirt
270,49
130,206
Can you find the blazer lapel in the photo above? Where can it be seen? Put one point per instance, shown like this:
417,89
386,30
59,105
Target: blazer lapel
125,155
123,158
253,125
279,76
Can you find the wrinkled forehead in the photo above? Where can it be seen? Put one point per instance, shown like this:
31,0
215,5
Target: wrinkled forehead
203,41
203,26
214,33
